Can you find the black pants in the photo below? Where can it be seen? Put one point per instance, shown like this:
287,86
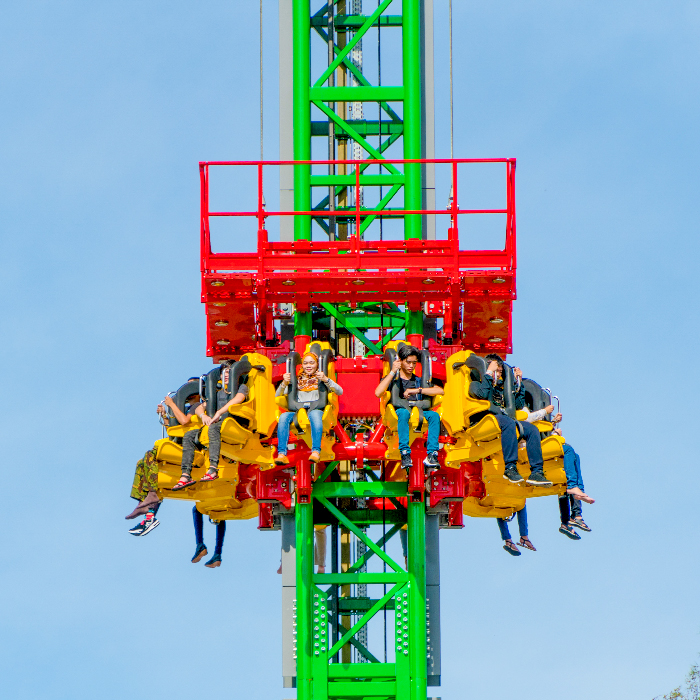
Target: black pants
191,442
509,442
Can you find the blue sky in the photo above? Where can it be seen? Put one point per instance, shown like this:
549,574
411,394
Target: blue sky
106,110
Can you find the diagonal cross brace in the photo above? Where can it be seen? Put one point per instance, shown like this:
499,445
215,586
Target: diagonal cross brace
364,619
351,44
369,554
360,535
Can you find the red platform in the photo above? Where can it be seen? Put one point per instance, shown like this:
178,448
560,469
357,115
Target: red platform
471,290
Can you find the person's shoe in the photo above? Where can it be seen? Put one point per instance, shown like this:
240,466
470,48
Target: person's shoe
144,527
579,523
510,547
314,457
281,459
142,508
406,460
538,479
151,524
199,553
214,562
513,475
137,530
431,461
569,532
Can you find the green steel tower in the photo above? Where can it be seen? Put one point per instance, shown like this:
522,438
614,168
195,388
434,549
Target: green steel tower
329,100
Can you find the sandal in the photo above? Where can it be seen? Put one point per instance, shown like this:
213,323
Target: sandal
211,475
569,532
183,483
525,542
578,522
511,548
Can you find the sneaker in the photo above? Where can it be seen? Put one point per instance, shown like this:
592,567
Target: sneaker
406,460
199,553
144,527
569,532
281,459
137,530
150,525
431,461
513,475
214,562
538,479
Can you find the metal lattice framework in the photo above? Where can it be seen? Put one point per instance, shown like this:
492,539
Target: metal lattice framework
343,285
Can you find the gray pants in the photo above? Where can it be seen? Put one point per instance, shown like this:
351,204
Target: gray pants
191,442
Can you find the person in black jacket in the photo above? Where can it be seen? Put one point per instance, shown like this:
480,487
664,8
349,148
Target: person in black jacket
410,387
491,389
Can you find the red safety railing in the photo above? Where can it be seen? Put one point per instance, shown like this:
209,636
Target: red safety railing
292,258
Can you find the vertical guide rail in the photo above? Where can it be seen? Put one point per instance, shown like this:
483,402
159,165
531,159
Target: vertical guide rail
412,138
304,585
302,116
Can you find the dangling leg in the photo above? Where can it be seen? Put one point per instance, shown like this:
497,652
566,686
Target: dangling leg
508,544
189,443
283,424
201,551
316,420
220,534
509,445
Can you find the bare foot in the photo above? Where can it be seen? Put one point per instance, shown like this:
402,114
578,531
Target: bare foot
579,495
321,570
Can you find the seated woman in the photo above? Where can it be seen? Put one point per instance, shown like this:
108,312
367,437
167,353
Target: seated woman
307,392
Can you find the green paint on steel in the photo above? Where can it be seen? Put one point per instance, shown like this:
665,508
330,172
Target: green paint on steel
318,677
412,141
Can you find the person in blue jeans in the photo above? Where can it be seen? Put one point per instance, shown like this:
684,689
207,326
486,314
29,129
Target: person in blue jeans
491,389
508,543
201,550
410,386
574,485
307,391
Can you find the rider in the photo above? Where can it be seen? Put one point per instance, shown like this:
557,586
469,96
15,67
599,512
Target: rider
307,392
491,389
410,385
144,488
191,440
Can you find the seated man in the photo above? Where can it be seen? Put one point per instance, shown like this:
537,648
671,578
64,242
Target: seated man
146,476
191,440
491,389
410,386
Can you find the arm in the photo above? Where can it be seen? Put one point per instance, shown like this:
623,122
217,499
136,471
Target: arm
386,382
519,393
182,419
283,388
240,397
332,386
426,391
482,390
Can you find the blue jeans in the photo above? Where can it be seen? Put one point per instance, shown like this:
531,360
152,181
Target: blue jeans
199,531
522,524
432,443
572,467
509,443
316,420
